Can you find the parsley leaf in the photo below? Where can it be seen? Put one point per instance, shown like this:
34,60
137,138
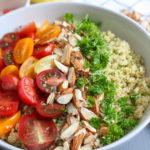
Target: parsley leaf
96,123
68,17
134,97
90,101
81,82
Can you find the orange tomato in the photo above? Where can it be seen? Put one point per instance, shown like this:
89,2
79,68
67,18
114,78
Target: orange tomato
9,70
23,50
45,26
1,53
49,34
27,68
8,123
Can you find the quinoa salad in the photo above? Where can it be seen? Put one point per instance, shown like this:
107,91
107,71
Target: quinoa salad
69,86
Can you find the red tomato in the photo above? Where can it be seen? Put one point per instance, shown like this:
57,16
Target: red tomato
30,35
36,132
30,28
48,80
42,51
49,111
9,40
9,103
8,56
2,65
5,11
9,82
27,91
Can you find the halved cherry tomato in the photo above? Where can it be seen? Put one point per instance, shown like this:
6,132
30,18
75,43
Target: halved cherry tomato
9,70
23,31
48,80
44,27
49,111
6,124
45,63
9,82
9,40
27,91
36,132
8,56
27,68
2,65
42,51
23,50
52,32
9,103
30,35
1,53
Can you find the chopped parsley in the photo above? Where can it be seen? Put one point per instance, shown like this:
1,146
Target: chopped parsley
96,123
90,101
134,97
68,17
81,82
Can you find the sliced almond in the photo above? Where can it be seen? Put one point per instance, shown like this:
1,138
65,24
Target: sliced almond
61,67
78,139
72,40
76,101
87,114
66,55
89,138
72,109
76,49
89,127
76,55
86,147
58,51
64,127
68,91
66,145
84,73
71,76
136,16
64,99
58,148
63,86
69,131
77,65
71,119
50,99
78,95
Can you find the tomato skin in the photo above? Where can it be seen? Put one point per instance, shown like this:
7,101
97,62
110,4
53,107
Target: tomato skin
30,35
7,124
42,51
2,65
8,56
27,91
49,111
29,28
36,132
9,103
49,84
9,82
9,40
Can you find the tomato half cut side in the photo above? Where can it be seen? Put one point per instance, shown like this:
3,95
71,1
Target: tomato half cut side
48,80
9,82
36,132
44,50
49,110
9,40
9,103
8,56
29,28
27,91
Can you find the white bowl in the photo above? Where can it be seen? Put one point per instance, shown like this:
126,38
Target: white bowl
122,26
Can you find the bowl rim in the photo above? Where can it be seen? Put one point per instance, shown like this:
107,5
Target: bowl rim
134,131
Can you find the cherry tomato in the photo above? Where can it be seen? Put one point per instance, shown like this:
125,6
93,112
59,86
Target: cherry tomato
8,56
1,53
27,91
9,40
44,27
2,65
49,111
30,35
23,50
9,70
9,103
48,80
30,28
6,124
9,82
36,132
49,34
27,68
42,51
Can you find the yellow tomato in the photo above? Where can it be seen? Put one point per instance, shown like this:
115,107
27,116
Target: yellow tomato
27,68
9,70
23,50
7,124
45,63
